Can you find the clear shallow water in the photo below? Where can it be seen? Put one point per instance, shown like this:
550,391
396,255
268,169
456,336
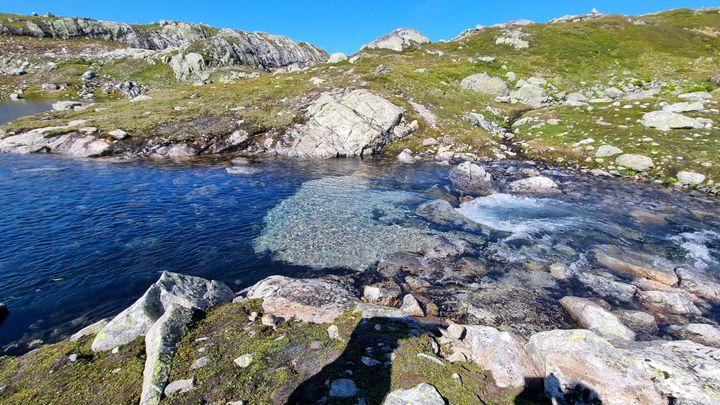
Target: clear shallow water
9,110
82,239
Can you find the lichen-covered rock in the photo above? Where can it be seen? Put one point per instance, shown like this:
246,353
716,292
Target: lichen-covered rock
685,371
161,343
484,83
578,364
665,121
421,394
187,66
607,151
170,291
399,40
594,317
690,106
501,353
530,94
638,163
339,124
306,300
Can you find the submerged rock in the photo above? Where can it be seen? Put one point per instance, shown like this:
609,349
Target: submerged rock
398,40
354,123
636,264
350,225
307,300
172,290
421,394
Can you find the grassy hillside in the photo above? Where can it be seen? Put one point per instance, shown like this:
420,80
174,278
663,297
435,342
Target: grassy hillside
677,51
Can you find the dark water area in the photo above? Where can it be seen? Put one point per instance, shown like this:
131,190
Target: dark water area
10,110
82,239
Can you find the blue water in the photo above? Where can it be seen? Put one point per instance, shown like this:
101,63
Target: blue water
82,239
9,110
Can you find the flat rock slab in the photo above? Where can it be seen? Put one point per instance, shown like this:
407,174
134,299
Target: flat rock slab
307,300
594,317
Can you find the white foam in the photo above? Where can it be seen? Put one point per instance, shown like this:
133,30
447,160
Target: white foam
695,245
521,216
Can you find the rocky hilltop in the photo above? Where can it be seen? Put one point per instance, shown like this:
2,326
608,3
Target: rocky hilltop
194,46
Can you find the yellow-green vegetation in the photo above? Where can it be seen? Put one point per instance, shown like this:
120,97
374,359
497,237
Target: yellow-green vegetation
676,50
48,376
289,363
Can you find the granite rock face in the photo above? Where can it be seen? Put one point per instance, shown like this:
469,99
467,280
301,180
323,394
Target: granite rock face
224,47
344,124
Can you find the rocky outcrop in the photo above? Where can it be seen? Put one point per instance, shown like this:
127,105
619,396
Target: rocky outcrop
42,140
398,40
223,47
344,124
579,364
306,300
172,290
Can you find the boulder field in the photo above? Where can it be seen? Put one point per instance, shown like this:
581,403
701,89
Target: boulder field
370,347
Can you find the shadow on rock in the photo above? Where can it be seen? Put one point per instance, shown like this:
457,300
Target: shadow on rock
577,394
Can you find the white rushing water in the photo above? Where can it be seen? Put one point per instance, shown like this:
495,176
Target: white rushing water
697,247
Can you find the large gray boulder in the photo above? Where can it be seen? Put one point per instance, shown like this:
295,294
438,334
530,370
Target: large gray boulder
665,121
398,40
486,84
594,317
581,364
188,66
469,177
421,394
638,163
306,300
501,353
529,93
339,124
171,291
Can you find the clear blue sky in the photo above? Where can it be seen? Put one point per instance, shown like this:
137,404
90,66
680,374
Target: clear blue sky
339,25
